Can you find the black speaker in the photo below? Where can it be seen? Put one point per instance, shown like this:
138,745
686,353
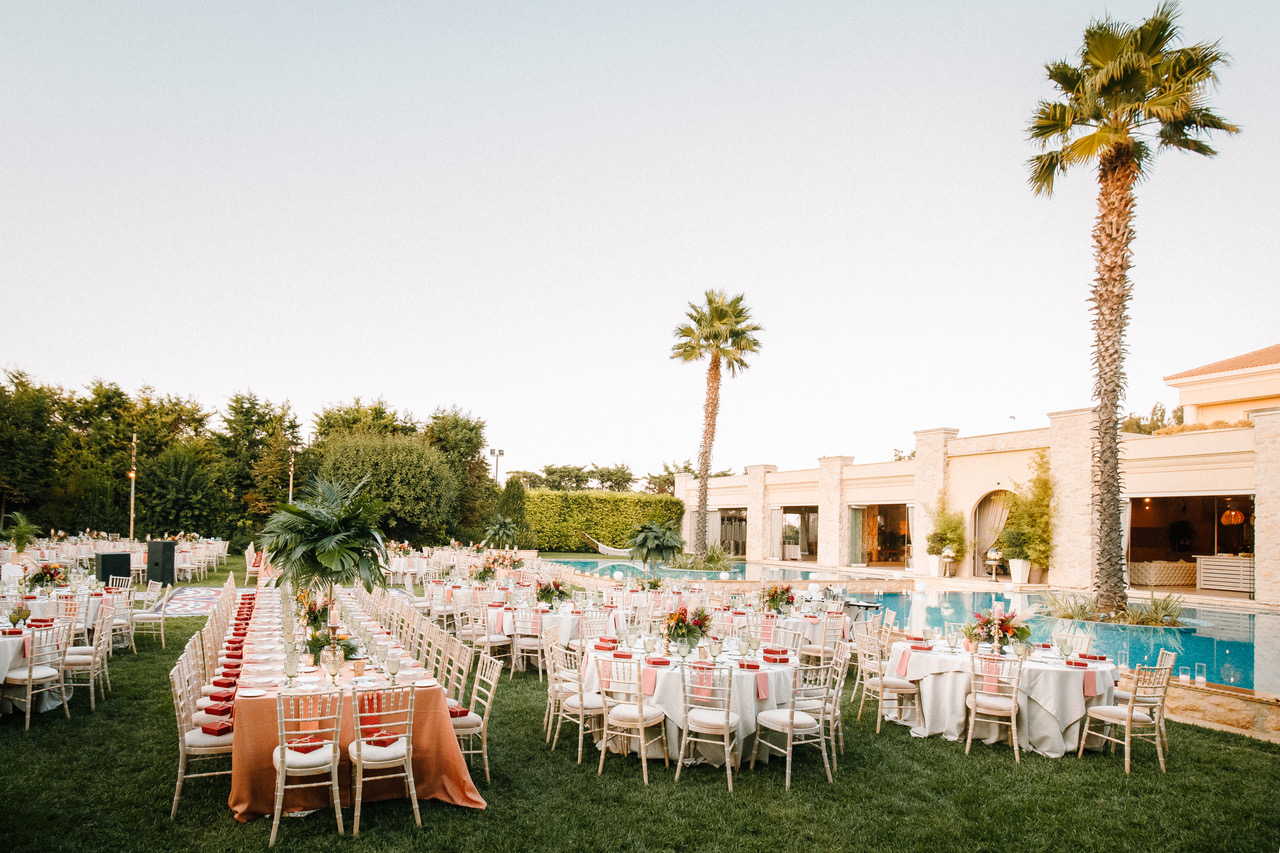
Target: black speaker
160,561
112,564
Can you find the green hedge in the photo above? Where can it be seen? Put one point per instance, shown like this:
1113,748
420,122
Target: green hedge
558,518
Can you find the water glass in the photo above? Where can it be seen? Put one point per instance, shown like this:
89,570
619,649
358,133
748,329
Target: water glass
393,666
1202,673
1184,674
1122,660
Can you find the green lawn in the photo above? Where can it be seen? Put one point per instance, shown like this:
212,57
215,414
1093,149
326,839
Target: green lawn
104,781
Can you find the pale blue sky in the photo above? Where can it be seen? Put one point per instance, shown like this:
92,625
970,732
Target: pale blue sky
507,207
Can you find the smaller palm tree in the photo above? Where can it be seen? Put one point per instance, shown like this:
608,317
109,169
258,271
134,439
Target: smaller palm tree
20,531
328,538
654,543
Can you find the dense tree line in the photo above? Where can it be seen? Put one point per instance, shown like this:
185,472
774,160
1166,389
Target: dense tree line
65,457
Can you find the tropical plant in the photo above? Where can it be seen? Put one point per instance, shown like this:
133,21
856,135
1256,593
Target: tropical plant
716,559
720,331
21,531
501,532
1165,611
1028,530
1069,605
1131,87
654,543
947,536
328,538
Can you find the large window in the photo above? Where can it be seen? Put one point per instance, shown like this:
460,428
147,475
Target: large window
880,535
1182,528
796,532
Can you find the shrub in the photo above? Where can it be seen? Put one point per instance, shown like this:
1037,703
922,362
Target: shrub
948,532
557,519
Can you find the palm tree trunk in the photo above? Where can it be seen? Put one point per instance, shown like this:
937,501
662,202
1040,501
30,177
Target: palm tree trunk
710,409
1113,235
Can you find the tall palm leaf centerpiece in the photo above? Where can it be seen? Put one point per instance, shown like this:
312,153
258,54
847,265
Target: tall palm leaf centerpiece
654,543
1131,92
719,330
329,538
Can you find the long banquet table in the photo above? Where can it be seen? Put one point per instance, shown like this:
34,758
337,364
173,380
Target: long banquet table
439,768
1052,697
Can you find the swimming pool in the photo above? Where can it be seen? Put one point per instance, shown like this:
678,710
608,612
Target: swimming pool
1223,640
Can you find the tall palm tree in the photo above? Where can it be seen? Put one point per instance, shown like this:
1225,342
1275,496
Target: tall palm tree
1131,87
722,332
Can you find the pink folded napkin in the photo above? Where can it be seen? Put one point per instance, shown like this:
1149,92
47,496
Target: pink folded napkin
648,680
1090,684
902,663
762,685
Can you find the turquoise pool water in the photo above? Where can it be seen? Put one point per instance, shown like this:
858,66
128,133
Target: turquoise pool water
605,568
1222,640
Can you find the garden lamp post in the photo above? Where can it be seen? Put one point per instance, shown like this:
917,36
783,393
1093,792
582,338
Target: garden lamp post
497,460
133,480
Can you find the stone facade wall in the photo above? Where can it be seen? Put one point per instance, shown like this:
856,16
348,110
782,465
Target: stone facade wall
1266,531
833,520
757,513
931,483
1071,466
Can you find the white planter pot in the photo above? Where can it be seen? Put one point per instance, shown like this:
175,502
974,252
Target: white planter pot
933,565
1020,570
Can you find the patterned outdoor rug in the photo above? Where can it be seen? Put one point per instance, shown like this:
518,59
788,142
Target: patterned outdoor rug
192,601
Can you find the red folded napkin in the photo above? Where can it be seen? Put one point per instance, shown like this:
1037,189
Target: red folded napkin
659,662
748,664
1045,645
382,738
223,695
235,654
600,647
922,647
456,711
576,612
11,632
509,608
1079,663
97,594
783,658
776,652
739,613
622,655
307,743
611,607
496,604
914,638
225,681
221,727
1083,656
30,597
219,709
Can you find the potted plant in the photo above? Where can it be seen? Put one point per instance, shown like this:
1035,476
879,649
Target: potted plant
1029,527
328,539
20,532
1013,545
654,543
946,542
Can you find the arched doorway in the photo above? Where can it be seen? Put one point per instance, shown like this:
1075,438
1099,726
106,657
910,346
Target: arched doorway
989,516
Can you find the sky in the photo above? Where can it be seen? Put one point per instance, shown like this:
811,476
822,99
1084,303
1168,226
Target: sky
507,207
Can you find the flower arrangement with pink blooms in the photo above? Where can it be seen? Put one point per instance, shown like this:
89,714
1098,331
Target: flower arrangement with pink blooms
997,627
552,592
777,596
682,624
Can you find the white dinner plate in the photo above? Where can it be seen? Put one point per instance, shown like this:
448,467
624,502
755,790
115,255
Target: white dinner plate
259,667
426,682
306,669
307,679
251,692
366,679
266,682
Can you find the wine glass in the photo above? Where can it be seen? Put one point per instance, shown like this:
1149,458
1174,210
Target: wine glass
331,664
1066,647
754,643
716,647
382,656
682,648
650,643
13,618
393,666
290,668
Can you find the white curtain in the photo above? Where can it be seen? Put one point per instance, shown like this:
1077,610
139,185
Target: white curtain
713,526
775,540
987,524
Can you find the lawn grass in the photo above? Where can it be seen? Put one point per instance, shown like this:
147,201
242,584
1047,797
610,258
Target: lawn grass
104,781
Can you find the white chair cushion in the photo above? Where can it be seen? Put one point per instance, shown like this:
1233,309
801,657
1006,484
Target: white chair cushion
629,715
198,739
708,720
986,703
590,701
294,760
38,673
1118,714
528,642
78,662
493,640
147,617
893,684
200,718
1122,698
204,702
808,704
80,650
471,722
379,754
816,651
779,719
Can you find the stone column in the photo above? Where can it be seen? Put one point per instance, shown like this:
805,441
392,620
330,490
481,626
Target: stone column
1071,467
684,490
757,513
930,484
1266,505
833,519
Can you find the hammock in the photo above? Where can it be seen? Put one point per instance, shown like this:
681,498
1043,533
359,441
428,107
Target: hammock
605,549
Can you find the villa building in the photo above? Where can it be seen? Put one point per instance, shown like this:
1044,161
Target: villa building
1202,506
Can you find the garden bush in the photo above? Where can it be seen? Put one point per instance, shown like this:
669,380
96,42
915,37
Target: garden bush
558,518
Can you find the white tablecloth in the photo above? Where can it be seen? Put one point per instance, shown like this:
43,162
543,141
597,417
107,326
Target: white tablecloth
13,696
668,695
1051,700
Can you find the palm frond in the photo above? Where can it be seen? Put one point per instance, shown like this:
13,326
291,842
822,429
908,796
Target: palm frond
1065,76
1044,167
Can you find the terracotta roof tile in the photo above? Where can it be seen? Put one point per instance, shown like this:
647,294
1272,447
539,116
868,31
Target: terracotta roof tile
1257,358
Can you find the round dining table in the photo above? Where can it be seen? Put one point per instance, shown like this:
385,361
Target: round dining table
1052,697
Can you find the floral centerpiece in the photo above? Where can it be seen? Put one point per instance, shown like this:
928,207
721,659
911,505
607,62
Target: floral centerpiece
314,611
398,549
319,640
493,564
651,583
684,625
552,592
1000,628
49,575
776,597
